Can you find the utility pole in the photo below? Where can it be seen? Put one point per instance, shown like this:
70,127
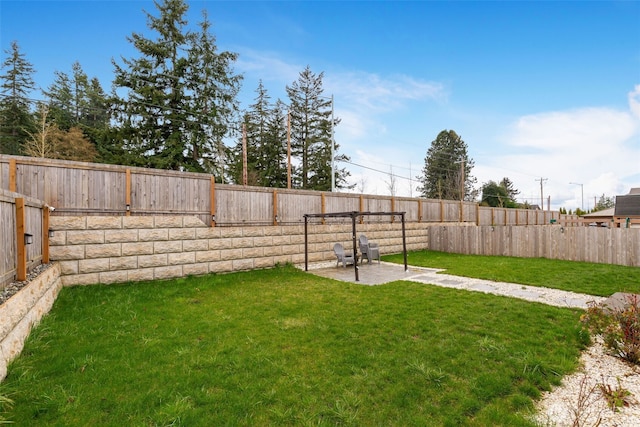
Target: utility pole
462,180
542,180
289,149
244,154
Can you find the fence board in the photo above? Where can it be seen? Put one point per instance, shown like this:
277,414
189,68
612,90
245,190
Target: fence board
589,244
33,226
79,188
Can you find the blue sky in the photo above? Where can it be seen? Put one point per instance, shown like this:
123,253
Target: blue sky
536,89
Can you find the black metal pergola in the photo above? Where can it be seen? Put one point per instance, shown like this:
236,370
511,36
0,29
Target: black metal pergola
353,215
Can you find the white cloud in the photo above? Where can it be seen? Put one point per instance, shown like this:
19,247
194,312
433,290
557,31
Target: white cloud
634,101
596,147
381,94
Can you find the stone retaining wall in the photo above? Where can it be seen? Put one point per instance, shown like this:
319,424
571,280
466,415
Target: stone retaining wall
98,249
23,310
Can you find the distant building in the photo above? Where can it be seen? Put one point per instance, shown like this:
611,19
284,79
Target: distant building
603,218
627,210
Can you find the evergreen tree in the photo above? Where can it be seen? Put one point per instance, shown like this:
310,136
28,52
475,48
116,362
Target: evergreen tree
500,194
16,121
603,203
447,170
311,134
213,87
180,95
62,108
78,103
266,139
253,132
273,152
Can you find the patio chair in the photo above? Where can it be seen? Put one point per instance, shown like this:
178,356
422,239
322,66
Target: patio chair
342,256
369,250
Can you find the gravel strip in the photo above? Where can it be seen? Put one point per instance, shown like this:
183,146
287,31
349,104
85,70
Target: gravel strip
579,400
12,288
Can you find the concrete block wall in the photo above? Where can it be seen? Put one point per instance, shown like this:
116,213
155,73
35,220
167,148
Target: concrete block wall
24,310
113,249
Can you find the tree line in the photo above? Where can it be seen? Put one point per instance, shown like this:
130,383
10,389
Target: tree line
174,106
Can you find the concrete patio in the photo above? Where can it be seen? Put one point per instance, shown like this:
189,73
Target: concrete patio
378,274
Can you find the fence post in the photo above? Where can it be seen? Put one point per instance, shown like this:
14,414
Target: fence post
419,210
275,207
212,201
21,267
477,213
393,209
361,209
323,206
45,234
127,196
441,211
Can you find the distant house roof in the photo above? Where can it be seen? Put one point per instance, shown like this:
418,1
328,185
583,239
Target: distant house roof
605,213
628,205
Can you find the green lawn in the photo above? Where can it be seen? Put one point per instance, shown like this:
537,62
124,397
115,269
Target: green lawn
582,277
284,347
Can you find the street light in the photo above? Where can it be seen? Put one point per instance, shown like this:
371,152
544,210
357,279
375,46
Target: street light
582,192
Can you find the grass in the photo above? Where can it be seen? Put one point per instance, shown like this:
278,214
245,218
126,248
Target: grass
581,277
283,347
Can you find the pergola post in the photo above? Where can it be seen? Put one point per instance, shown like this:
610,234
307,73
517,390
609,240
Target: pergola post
354,233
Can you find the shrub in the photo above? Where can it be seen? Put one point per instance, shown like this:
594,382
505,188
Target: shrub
620,328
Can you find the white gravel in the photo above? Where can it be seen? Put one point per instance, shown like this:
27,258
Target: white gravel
579,400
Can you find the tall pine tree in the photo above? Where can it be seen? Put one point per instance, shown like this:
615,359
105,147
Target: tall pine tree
16,120
447,170
311,133
213,88
179,94
266,143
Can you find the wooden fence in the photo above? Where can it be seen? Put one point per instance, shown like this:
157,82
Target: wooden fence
590,244
21,215
76,188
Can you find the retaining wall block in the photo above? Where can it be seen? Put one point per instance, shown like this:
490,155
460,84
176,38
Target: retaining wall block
120,236
198,269
103,251
137,222
140,274
93,265
104,222
156,260
84,237
81,279
169,272
168,222
181,258
182,233
167,247
153,235
195,245
143,248
63,253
